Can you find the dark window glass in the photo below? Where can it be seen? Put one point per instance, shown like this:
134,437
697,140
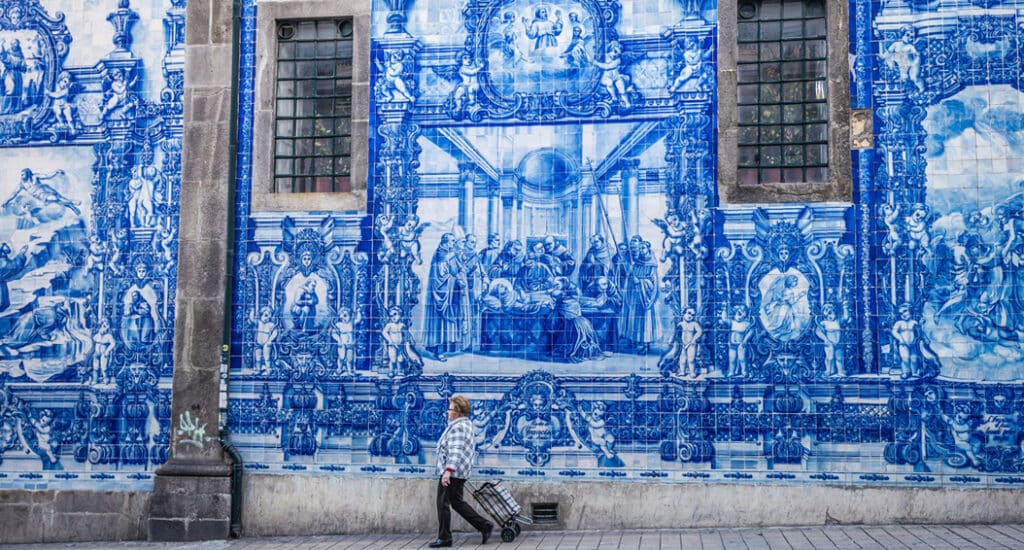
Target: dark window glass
312,142
783,100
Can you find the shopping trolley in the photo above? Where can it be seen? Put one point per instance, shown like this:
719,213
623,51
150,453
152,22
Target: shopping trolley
496,499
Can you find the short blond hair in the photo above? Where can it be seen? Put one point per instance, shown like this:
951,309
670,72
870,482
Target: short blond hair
461,405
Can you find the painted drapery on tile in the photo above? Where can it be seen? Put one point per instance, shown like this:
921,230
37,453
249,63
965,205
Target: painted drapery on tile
544,234
90,142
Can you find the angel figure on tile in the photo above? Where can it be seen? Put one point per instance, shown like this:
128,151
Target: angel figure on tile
343,333
673,243
409,238
393,87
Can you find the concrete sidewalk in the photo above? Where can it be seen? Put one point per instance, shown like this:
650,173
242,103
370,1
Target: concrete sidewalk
886,537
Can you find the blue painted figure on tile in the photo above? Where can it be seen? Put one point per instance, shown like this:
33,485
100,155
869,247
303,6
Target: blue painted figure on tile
638,322
576,54
142,319
574,339
507,43
118,98
538,272
266,333
915,354
42,430
536,47
15,91
544,30
596,264
692,75
829,330
599,438
690,333
142,189
490,254
448,301
38,202
398,345
306,286
601,305
10,268
304,306
139,319
558,257
465,94
785,310
394,87
409,238
63,112
103,343
740,326
902,55
508,262
477,282
343,333
616,83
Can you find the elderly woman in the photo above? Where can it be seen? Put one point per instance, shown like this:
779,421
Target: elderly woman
455,454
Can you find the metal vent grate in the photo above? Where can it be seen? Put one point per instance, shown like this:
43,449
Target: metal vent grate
544,512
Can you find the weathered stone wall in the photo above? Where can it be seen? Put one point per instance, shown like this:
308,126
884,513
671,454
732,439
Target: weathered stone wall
273,505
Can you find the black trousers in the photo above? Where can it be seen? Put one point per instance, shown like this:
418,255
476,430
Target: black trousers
451,497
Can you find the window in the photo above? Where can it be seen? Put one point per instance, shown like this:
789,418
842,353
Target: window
311,107
784,115
783,93
313,122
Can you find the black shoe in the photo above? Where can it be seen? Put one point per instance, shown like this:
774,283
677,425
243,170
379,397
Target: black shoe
440,544
486,534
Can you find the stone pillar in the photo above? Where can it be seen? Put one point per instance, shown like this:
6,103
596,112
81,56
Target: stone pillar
576,230
629,171
191,497
586,221
520,234
467,173
493,212
506,219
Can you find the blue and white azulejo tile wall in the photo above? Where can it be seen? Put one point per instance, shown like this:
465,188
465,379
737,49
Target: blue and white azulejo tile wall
544,234
90,145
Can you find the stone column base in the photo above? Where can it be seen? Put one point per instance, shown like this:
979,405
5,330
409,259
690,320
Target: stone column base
190,501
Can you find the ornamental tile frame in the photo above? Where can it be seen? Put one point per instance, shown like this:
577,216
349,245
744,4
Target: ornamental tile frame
544,234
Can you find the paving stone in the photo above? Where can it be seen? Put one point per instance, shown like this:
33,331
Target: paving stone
835,537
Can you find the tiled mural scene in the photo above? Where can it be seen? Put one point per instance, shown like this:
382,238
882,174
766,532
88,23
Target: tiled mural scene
545,233
90,127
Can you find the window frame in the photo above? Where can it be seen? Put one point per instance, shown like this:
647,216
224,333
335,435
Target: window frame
839,185
268,16
313,116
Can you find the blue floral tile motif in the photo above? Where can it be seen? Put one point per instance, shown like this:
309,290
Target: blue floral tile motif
88,246
544,235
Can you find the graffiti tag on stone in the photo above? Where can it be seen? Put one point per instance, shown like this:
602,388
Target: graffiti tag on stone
191,432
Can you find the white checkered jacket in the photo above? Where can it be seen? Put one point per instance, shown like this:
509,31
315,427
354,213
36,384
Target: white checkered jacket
456,449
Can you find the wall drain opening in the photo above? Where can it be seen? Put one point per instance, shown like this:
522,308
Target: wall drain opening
544,512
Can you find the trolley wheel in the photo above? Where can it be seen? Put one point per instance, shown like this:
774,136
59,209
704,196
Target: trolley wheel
517,528
508,534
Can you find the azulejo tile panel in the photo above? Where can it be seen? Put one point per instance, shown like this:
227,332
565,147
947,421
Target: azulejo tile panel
88,240
544,234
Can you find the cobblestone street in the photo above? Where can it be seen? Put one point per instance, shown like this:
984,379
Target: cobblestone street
888,537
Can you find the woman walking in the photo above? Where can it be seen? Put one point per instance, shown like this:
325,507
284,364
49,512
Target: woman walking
455,453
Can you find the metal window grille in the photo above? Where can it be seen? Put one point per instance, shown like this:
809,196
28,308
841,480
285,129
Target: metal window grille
313,116
782,91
